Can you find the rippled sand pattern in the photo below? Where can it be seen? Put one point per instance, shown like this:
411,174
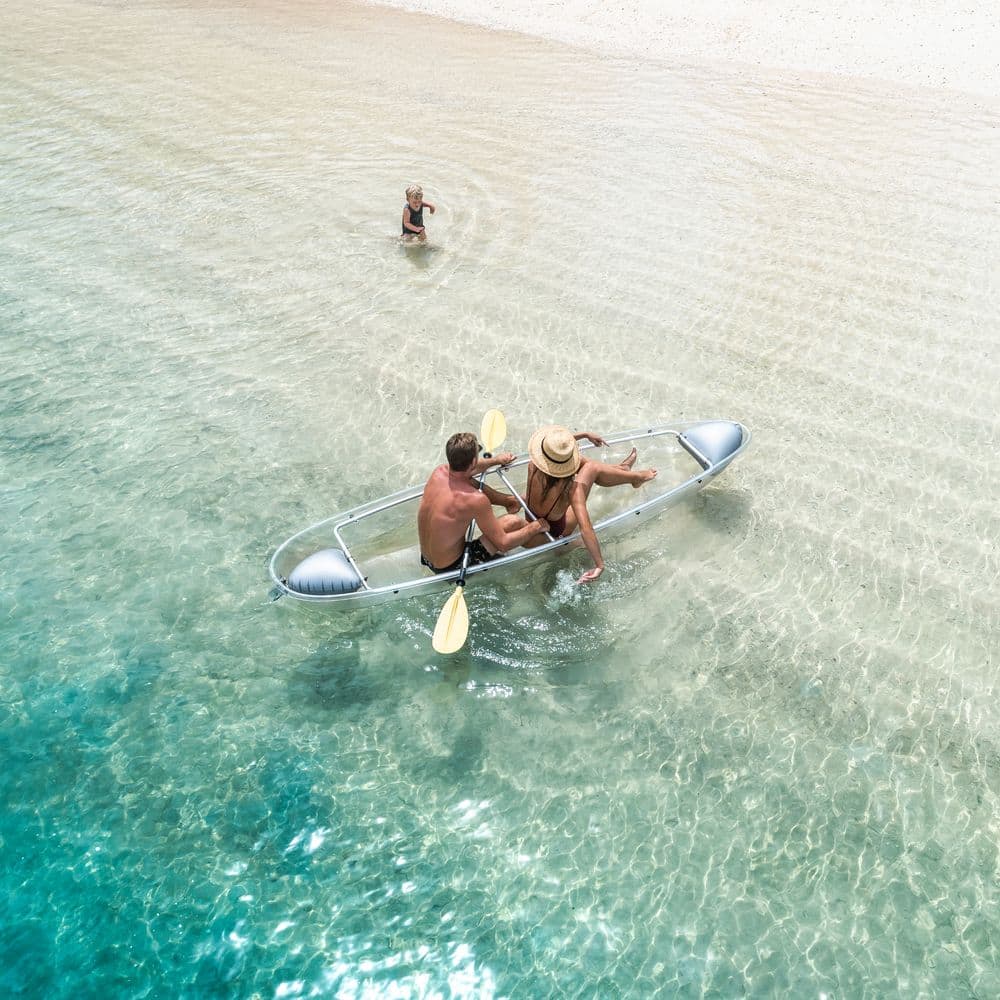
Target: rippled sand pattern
759,758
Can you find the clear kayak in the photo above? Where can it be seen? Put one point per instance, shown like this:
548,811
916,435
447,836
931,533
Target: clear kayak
370,554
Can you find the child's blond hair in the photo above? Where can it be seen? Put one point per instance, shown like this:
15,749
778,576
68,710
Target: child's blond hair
414,191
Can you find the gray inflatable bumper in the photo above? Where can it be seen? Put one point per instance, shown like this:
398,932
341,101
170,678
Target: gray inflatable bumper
328,571
712,442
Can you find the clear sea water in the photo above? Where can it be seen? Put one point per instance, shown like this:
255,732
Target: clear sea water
760,758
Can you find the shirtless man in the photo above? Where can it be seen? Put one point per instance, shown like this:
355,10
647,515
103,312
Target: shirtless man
452,500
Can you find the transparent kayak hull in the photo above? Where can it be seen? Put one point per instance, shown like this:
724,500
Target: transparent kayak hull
375,545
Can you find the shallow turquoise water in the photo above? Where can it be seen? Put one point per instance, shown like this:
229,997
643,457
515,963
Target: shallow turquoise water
759,759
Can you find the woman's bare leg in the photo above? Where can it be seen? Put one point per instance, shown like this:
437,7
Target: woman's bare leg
619,475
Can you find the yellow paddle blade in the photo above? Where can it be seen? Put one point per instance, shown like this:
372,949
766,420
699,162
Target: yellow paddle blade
452,624
493,433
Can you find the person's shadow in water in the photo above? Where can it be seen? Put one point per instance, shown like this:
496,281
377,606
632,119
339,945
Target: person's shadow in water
335,682
418,253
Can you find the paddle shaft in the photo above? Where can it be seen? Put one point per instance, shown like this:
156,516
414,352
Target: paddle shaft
520,500
460,582
452,626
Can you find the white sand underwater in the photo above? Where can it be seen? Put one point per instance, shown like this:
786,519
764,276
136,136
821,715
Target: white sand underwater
947,45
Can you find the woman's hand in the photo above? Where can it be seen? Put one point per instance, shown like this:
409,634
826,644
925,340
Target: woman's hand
513,505
593,439
591,575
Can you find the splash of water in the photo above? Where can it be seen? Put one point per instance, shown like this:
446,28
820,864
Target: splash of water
565,592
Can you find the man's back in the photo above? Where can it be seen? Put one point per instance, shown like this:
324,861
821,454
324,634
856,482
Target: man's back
446,511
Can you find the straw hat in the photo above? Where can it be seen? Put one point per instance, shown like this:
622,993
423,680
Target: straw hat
554,450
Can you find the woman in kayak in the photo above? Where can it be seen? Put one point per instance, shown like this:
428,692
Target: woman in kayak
560,480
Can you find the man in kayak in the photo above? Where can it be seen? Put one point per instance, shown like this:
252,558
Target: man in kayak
452,500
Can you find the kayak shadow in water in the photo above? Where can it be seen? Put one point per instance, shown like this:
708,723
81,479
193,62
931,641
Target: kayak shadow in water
724,511
334,679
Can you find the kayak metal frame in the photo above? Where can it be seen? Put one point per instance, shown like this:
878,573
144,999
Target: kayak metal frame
613,523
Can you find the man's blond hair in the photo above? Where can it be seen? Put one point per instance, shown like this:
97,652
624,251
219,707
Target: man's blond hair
414,191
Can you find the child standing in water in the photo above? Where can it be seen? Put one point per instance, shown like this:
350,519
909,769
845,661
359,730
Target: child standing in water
413,213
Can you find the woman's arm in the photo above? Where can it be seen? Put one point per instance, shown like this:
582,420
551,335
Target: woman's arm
578,501
592,438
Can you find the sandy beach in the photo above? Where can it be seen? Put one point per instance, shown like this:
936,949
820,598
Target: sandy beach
940,45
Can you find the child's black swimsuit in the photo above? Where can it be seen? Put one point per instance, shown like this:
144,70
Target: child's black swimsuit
416,219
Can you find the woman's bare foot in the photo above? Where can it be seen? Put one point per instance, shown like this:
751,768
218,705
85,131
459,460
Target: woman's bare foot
643,476
629,460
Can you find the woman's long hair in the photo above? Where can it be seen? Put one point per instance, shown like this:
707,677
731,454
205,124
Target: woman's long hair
548,481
